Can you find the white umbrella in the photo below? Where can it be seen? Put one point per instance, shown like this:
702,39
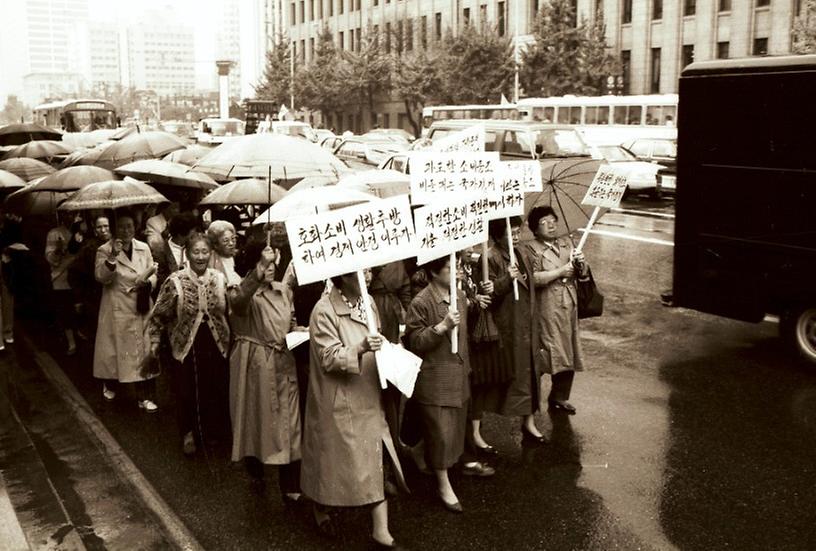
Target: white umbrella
310,201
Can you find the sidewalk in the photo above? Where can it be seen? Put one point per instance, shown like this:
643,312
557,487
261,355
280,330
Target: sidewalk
68,484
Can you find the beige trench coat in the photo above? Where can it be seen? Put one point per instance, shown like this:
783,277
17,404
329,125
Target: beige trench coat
345,428
121,343
264,403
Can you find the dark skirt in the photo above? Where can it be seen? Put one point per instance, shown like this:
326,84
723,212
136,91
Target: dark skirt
443,430
488,364
487,398
201,384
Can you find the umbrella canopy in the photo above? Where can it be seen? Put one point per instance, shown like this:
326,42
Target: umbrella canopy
382,183
189,155
26,168
40,149
168,173
113,194
251,191
256,155
141,145
307,201
9,180
18,134
565,185
312,182
124,132
26,202
84,156
72,178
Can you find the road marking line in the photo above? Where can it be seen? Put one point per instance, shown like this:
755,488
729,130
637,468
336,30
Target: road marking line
618,235
644,212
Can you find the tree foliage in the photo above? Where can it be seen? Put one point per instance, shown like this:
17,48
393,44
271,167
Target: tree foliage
477,65
418,80
276,82
567,57
14,111
321,86
366,73
804,29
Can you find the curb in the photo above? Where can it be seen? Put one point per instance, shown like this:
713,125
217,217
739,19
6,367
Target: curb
175,529
11,533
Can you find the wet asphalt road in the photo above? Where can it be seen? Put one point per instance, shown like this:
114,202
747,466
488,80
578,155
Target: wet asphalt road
693,432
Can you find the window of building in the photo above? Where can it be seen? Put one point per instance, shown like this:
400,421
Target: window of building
303,51
423,32
760,46
626,13
501,19
725,5
688,54
722,50
626,68
331,8
292,13
763,3
657,9
359,39
351,40
409,35
388,38
376,3
341,5
689,7
466,16
400,37
311,48
483,15
341,40
438,26
654,84
302,11
311,10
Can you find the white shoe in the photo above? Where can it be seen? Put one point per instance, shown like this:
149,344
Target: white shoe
148,406
2,347
9,339
108,394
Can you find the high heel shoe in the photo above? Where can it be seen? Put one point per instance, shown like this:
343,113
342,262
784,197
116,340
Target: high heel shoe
528,436
455,507
563,407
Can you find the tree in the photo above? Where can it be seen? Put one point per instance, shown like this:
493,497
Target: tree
477,65
418,80
321,88
366,74
14,111
804,30
567,57
276,82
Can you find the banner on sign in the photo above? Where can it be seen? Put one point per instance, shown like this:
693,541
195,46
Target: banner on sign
435,174
342,241
469,139
607,187
522,176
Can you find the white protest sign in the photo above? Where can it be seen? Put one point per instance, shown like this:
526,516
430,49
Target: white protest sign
607,187
345,240
469,139
434,174
522,176
449,225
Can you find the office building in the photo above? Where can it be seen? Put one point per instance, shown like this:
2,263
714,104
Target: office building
161,56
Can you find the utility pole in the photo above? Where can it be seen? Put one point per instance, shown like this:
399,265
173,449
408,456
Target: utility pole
516,50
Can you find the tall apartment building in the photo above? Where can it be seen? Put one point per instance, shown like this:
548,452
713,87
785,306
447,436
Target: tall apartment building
96,46
161,56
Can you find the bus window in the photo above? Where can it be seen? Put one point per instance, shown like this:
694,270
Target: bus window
563,115
620,114
603,114
490,141
543,114
575,115
458,114
635,114
591,115
669,115
654,113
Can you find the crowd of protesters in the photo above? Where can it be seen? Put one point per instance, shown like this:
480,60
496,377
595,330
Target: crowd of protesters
210,305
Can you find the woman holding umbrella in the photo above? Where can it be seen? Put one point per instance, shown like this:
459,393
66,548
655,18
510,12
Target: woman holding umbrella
125,268
555,265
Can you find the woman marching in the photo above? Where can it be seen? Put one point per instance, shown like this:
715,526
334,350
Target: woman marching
264,403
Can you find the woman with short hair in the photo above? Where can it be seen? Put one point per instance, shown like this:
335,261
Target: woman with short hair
223,242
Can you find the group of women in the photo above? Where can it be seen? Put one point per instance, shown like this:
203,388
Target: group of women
322,417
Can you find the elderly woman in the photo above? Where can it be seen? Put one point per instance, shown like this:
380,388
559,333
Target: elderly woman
191,308
442,390
125,268
345,429
223,240
514,321
554,265
264,402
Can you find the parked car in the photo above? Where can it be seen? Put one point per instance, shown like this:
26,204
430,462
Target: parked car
323,133
331,142
181,129
296,129
641,175
365,154
397,161
390,134
659,151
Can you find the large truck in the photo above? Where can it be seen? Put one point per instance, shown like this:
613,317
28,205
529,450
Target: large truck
745,234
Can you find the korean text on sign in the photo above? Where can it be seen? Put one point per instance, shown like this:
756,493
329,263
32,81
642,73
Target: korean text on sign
450,225
433,174
343,241
469,139
607,188
522,176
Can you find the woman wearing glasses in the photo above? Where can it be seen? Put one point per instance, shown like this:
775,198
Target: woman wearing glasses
223,240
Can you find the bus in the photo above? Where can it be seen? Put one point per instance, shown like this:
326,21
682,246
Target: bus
257,111
80,115
608,120
507,111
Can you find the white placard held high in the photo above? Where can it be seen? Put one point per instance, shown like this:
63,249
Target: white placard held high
435,174
469,139
607,189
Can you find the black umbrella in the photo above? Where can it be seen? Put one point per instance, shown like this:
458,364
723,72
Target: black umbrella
18,134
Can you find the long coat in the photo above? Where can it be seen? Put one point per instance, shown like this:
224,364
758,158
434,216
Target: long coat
391,290
345,428
514,320
556,345
264,403
121,342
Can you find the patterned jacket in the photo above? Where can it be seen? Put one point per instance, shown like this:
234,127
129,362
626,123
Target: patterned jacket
184,302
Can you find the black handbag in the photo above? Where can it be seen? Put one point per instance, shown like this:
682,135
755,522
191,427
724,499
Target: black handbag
590,299
143,299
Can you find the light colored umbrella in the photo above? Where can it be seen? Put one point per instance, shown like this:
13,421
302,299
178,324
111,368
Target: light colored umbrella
168,173
84,156
17,134
189,155
26,168
251,191
72,178
9,180
40,149
124,132
26,202
283,158
312,182
310,201
382,183
141,145
113,194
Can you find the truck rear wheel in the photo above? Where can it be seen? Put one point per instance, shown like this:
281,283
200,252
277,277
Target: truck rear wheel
799,329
